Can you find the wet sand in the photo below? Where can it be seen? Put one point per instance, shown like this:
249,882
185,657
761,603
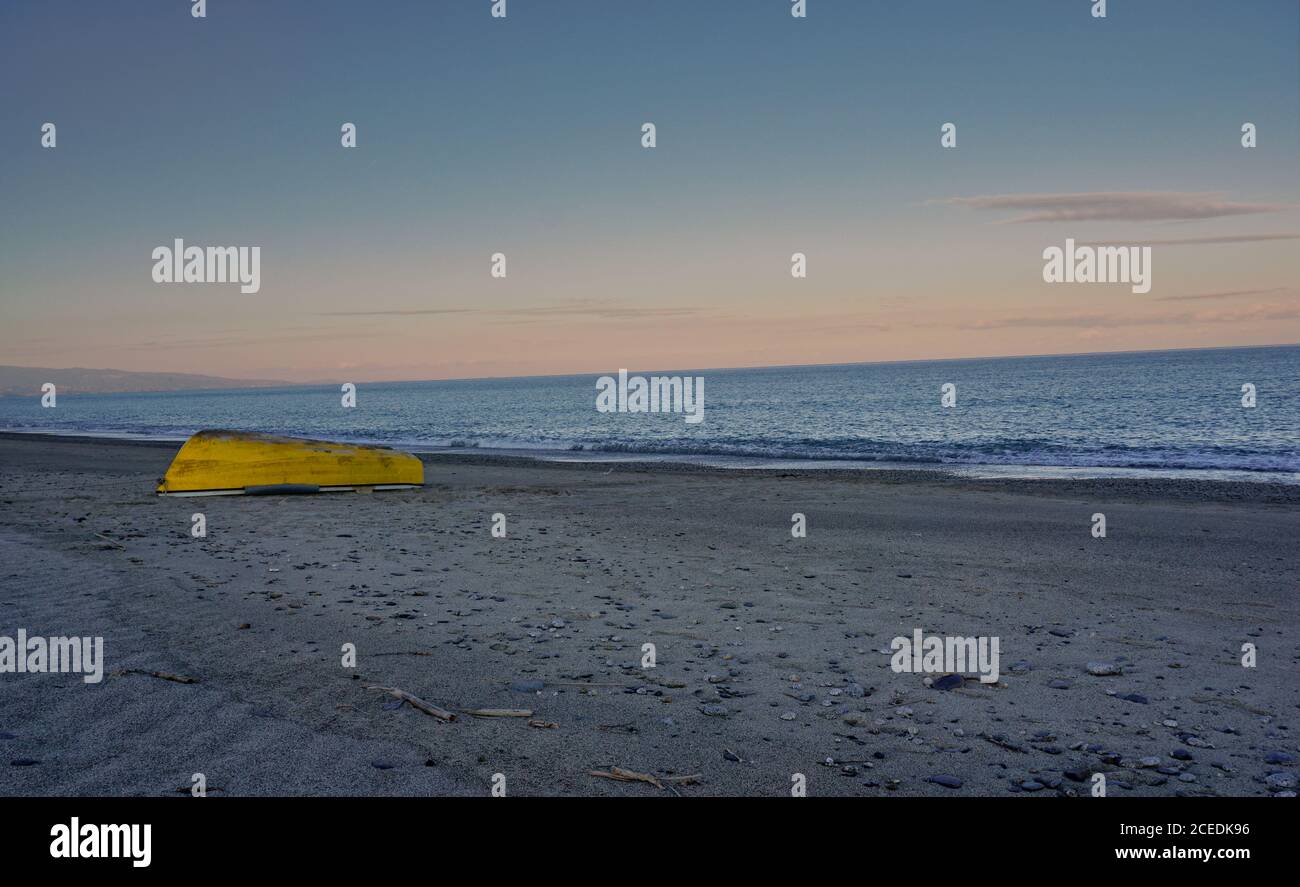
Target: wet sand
772,652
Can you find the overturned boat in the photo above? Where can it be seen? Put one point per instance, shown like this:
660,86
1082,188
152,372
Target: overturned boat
236,463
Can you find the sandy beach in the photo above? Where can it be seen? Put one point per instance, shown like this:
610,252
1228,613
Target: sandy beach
772,652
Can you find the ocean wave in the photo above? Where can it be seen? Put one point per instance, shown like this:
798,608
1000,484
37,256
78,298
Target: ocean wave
1103,412
1029,452
1032,452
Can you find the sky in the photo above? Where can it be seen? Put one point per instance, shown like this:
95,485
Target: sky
523,136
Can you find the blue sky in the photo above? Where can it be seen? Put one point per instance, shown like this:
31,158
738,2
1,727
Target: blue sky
522,135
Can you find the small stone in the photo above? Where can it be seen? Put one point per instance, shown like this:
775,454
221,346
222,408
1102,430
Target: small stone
1273,757
525,686
948,682
714,710
945,780
1104,669
1280,780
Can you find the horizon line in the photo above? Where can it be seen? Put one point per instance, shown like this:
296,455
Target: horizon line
279,383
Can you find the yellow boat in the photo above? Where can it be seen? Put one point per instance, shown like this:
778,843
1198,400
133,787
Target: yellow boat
235,463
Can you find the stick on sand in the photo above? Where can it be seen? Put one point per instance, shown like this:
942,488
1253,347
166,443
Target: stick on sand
623,775
165,675
417,702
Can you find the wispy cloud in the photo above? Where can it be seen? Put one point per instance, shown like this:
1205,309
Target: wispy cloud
1254,312
1260,312
1047,322
1197,241
238,338
1227,294
1124,206
399,312
590,309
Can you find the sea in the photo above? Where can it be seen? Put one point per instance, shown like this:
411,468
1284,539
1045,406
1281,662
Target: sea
1166,413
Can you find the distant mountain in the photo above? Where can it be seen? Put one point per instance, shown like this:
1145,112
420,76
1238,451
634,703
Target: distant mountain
79,380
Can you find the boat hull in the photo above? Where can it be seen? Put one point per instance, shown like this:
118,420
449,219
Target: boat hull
231,463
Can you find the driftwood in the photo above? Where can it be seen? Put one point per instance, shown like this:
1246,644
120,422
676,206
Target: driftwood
1235,703
417,702
166,676
622,775
630,729
670,683
111,541
501,712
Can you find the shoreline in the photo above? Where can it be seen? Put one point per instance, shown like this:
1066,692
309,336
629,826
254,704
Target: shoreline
1189,484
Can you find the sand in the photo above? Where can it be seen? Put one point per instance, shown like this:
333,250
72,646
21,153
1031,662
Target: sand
772,652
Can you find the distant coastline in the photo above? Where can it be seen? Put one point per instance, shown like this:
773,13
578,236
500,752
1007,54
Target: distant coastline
17,381
21,381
